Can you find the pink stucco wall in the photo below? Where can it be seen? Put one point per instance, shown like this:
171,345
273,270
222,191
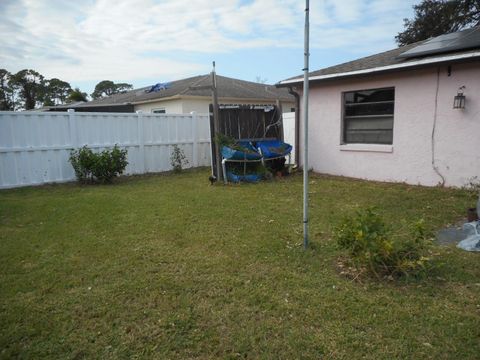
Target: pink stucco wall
409,159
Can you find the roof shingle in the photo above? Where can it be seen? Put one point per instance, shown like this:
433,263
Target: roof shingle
226,87
387,58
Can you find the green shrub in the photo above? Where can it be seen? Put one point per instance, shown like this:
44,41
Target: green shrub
224,140
100,167
178,159
472,188
83,162
370,244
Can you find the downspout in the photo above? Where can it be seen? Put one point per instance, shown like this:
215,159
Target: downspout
297,124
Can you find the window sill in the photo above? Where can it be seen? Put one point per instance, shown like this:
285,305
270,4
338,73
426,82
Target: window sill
367,148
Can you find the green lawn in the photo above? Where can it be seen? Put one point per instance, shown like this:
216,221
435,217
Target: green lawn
170,267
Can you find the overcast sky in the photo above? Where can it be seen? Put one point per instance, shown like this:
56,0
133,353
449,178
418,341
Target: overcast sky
148,41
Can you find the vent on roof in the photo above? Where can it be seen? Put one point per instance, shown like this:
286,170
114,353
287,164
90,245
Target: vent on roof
461,40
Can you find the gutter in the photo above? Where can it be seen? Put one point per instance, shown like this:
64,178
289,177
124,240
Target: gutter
177,97
406,65
220,98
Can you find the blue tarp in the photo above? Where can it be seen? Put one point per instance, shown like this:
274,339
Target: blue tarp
236,154
158,87
274,148
243,178
270,149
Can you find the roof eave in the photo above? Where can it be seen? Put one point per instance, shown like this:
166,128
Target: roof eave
388,68
202,97
87,105
165,98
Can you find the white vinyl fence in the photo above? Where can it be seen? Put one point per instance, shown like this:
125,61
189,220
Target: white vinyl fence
289,132
35,146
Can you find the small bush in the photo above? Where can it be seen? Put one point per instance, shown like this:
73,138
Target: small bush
473,187
83,162
101,167
370,245
178,159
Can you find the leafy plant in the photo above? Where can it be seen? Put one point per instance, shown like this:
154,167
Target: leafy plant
101,167
110,164
83,163
224,140
240,168
370,245
473,187
178,159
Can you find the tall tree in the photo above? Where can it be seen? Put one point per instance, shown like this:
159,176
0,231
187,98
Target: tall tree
437,17
30,86
6,91
77,95
107,88
56,91
123,87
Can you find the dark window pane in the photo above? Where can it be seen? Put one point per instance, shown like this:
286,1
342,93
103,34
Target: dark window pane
362,96
369,109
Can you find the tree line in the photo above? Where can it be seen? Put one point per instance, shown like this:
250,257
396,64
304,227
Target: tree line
28,89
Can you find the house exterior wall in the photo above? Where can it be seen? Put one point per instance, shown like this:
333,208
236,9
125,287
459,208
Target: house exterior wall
171,106
200,106
456,140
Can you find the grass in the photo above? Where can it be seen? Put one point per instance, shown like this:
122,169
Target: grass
170,267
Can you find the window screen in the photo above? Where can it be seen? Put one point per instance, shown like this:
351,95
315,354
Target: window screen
368,116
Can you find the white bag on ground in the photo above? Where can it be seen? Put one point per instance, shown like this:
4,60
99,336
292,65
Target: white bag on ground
472,242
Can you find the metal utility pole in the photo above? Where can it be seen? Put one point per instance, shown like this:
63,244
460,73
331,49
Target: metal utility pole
305,127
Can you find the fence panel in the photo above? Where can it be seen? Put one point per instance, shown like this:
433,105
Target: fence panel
289,132
35,146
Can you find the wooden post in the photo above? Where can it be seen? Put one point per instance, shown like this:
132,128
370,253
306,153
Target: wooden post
216,123
280,118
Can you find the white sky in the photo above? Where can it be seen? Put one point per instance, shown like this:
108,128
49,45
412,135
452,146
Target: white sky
147,41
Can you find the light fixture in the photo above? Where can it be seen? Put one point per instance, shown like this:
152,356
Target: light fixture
459,99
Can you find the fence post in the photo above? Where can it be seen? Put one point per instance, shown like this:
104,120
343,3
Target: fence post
141,141
73,128
195,138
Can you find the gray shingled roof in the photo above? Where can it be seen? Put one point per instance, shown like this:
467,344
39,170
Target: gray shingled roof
368,62
387,58
226,87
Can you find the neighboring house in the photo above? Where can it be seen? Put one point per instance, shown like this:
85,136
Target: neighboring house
180,97
391,116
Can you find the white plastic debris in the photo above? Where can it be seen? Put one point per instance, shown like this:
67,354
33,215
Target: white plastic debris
472,241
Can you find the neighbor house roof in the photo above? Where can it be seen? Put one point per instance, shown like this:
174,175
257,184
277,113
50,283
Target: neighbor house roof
226,87
387,61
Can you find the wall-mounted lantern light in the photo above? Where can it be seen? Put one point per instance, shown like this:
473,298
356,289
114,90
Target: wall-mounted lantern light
459,99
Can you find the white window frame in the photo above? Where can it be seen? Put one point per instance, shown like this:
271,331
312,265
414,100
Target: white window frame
353,145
